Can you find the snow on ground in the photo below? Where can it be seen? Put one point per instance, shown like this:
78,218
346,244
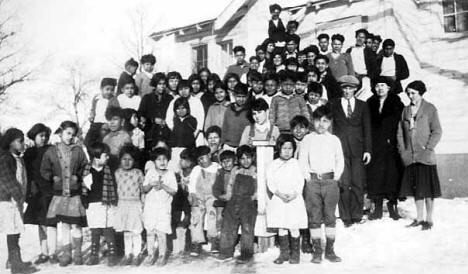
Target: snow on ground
383,246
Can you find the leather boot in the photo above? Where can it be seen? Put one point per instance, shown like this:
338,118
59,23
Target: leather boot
330,252
13,244
306,246
17,266
77,256
65,258
393,210
295,251
377,214
284,250
109,235
317,255
95,238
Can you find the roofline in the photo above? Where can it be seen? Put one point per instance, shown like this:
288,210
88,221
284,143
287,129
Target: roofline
168,31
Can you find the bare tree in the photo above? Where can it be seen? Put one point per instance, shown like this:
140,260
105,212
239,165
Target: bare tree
12,68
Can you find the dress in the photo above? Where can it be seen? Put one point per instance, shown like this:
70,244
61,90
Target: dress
157,208
129,208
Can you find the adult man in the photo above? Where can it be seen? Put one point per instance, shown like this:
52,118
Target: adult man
352,125
393,66
241,67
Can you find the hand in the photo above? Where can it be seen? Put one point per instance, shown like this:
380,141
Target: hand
56,179
366,158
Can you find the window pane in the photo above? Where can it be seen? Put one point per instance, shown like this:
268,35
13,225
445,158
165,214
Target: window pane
462,5
462,22
449,23
448,6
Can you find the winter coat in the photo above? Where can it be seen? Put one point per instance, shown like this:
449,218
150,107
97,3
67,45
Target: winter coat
401,71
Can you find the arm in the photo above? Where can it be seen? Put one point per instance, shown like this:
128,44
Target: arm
199,114
208,118
92,112
170,115
436,130
303,107
403,72
225,127
339,160
218,186
367,129
245,138
272,115
171,185
46,169
349,64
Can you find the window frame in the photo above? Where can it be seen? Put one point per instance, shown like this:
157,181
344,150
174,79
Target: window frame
453,14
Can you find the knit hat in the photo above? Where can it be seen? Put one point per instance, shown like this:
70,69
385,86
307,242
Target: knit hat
417,85
38,128
10,135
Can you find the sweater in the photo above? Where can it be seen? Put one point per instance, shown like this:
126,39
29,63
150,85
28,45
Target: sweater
150,107
283,108
183,132
142,81
215,115
342,65
234,122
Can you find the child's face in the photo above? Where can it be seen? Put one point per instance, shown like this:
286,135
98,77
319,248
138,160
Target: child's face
196,86
277,60
210,86
181,111
204,76
40,139
227,164
301,58
270,47
213,139
275,14
300,87
220,94
115,123
160,87
240,99
68,135
102,160
17,146
321,65
240,56
184,92
375,45
312,77
254,64
107,91
311,57
337,46
127,162
299,131
287,87
134,120
185,163
313,97
204,161
261,55
132,69
161,162
322,124
231,83
286,151
271,87
323,44
257,87
128,90
291,46
173,83
369,42
260,116
245,161
148,67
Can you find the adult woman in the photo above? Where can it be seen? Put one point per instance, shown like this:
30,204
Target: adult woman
384,171
419,131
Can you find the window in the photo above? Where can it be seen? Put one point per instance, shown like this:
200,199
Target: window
200,57
226,53
455,15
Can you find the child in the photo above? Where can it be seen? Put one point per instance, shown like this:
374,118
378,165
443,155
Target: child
131,122
129,219
286,105
301,84
131,67
159,186
201,199
183,132
314,99
256,84
102,201
173,79
326,78
213,138
286,210
240,208
235,119
299,128
291,29
227,159
128,98
230,81
208,98
12,195
197,86
322,161
117,137
262,129
63,165
143,79
276,30
270,83
215,114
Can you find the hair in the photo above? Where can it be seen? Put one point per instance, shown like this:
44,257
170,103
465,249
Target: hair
220,85
131,63
291,61
377,38
37,129
128,114
255,76
181,101
388,42
292,23
290,39
204,69
322,111
322,57
270,76
108,82
158,77
187,154
126,81
301,77
158,152
229,76
10,135
299,120
259,47
274,7
174,74
285,138
253,58
338,37
315,88
183,84
361,31
244,150
213,129
323,36
213,77
287,75
69,124
148,58
370,36
314,70
130,150
241,89
196,77
97,149
114,111
312,48
227,154
238,48
201,151
259,105
417,85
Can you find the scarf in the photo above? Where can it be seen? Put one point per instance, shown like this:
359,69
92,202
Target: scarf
109,189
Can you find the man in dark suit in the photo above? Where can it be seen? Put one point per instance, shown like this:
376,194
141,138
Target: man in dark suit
352,125
393,66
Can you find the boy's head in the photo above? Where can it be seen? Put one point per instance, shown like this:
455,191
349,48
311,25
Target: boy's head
99,153
259,111
213,136
187,159
361,35
369,40
277,57
270,83
321,63
114,116
241,94
131,66
256,80
245,156
184,88
260,52
147,62
388,47
314,92
299,127
227,159
254,62
323,41
158,81
337,42
196,83
202,153
292,26
291,64
128,87
376,43
275,11
287,81
301,82
173,79
108,87
239,54
323,118
311,52
312,75
301,57
160,156
220,91
291,45
13,141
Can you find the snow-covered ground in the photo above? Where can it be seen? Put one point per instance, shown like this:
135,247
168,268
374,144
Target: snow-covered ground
384,246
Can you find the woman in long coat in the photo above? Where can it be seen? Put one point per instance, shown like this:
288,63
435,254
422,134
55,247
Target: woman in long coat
419,132
385,169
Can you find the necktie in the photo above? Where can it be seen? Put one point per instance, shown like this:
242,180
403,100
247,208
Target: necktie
349,110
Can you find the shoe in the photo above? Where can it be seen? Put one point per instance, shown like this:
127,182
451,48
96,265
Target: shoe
112,259
17,266
306,246
223,257
162,260
53,259
94,256
137,259
347,223
426,225
214,246
150,260
42,259
317,253
77,256
330,252
295,257
393,210
243,259
284,250
65,258
377,213
358,221
415,223
127,260
196,250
